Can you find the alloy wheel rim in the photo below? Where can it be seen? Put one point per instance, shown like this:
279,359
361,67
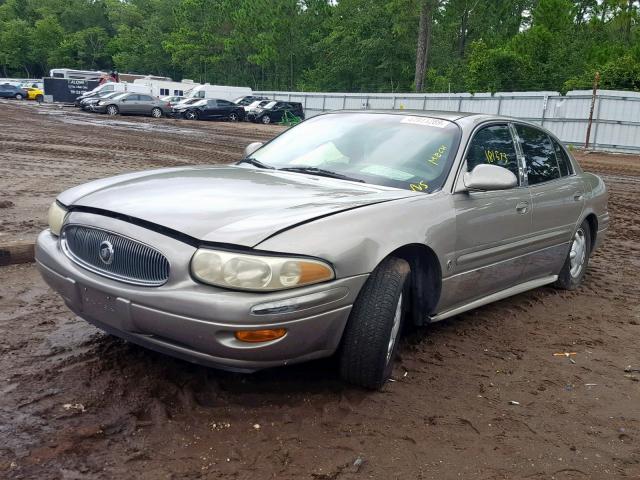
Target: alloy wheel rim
266,120
156,112
395,328
111,110
578,253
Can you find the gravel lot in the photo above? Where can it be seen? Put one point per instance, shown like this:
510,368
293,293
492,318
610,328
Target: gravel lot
78,404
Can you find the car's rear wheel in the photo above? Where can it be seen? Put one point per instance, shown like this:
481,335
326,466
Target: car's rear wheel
575,265
156,112
112,110
19,96
191,115
266,119
370,339
233,117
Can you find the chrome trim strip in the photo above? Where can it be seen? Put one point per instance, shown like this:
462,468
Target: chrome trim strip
522,287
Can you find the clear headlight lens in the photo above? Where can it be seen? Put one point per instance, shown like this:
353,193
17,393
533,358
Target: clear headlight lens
56,217
257,272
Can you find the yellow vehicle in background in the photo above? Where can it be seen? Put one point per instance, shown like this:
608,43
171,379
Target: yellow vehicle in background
34,93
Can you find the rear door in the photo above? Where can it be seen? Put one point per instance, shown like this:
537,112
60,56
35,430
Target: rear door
145,104
210,111
492,227
557,196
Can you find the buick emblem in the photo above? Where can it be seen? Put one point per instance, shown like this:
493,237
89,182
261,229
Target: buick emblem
106,252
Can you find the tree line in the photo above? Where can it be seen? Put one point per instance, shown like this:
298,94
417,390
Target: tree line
333,45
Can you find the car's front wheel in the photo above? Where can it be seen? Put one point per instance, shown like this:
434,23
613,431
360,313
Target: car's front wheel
112,110
233,117
156,112
19,96
370,339
266,119
191,115
575,265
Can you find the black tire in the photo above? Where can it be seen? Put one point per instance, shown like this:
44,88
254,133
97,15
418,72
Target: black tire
571,276
191,115
19,96
266,119
39,98
112,110
368,348
233,117
156,112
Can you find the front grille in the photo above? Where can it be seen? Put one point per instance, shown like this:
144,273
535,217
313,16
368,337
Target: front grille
121,258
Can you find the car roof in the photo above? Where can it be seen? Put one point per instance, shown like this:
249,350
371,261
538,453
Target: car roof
467,118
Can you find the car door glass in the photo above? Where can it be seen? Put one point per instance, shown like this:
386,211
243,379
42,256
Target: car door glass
493,145
563,159
145,98
539,155
212,103
131,98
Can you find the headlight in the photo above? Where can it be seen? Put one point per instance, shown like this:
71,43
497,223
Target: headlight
56,217
257,272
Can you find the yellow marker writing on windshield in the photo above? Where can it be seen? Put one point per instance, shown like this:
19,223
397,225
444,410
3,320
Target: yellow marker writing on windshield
435,158
419,186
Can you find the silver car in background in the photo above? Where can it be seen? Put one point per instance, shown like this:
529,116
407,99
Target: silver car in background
328,239
132,104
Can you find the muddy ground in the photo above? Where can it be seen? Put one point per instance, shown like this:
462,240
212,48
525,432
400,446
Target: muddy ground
78,404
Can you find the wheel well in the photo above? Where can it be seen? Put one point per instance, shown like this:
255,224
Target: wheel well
426,280
592,220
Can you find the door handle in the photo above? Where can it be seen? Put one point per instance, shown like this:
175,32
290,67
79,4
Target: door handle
577,196
522,207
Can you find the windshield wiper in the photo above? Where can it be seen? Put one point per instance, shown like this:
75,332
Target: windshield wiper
321,173
255,163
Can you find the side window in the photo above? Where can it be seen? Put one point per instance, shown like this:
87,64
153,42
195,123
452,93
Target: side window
146,98
493,145
563,159
539,155
212,103
133,98
224,103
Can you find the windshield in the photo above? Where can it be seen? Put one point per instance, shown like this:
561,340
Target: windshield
268,105
401,151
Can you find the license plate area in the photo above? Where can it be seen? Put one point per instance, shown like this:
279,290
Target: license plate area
105,308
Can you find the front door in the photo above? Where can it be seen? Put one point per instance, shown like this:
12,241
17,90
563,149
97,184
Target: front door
557,196
492,227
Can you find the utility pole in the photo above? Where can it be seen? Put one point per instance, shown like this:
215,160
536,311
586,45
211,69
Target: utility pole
596,80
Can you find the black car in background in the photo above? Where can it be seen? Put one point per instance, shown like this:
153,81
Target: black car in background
248,100
274,112
210,109
11,91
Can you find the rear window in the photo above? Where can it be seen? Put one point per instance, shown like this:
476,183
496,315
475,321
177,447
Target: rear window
539,154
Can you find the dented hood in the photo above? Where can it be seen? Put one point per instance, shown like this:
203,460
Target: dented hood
228,204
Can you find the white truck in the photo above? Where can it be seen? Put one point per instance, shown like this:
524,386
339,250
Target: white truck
219,91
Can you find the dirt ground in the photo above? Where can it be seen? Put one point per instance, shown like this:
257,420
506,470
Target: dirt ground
78,404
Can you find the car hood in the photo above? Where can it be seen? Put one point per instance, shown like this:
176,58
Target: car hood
227,204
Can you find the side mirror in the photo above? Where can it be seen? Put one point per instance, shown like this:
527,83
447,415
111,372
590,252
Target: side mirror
489,177
252,147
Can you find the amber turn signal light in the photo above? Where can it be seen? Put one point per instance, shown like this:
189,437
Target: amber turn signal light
257,336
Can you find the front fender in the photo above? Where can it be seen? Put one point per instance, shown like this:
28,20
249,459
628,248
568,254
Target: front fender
356,241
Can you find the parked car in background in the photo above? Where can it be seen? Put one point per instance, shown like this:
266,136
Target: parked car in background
224,92
11,91
89,102
274,112
132,104
173,100
252,107
34,93
109,87
329,238
211,109
247,100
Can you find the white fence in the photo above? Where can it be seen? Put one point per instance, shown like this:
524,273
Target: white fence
616,116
